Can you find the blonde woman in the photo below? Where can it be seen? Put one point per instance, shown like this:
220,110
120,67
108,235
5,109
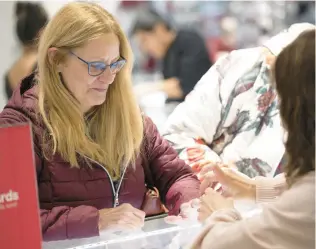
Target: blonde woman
89,132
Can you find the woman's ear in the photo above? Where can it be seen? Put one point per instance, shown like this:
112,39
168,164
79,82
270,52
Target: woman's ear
270,58
52,54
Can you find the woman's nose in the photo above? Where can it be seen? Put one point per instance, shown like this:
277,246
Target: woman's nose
107,76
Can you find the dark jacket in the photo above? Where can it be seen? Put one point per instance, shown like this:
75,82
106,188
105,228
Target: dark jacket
187,59
71,197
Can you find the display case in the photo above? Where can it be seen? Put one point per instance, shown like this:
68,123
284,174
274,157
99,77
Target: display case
156,234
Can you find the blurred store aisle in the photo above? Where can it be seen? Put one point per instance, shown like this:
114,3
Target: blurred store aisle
151,101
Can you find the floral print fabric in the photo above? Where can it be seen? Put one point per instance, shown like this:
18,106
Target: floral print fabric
231,116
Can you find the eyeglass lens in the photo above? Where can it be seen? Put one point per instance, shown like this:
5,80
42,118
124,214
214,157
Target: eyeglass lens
96,68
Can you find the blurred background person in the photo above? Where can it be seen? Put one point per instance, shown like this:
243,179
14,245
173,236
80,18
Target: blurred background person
183,53
30,20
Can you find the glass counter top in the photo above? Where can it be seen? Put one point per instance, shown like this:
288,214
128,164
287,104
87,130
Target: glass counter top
156,234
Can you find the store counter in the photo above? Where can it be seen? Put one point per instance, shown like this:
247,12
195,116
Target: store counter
156,234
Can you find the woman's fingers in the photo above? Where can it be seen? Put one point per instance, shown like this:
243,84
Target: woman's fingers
212,178
226,192
220,174
173,220
139,213
195,203
132,219
206,167
204,213
207,182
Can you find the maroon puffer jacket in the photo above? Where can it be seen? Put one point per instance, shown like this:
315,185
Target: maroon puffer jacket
70,197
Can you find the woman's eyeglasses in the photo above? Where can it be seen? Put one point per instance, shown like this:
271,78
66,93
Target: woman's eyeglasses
95,68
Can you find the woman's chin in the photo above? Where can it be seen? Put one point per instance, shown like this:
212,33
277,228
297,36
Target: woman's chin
97,100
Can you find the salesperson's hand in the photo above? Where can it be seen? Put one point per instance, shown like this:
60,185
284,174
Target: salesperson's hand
188,213
124,217
213,201
233,183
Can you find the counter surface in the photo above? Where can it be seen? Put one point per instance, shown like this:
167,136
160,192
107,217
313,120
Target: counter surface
156,234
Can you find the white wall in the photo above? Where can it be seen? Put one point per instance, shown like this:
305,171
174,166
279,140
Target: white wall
9,48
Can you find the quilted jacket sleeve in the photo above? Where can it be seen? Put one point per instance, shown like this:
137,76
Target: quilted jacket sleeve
60,222
173,178
65,222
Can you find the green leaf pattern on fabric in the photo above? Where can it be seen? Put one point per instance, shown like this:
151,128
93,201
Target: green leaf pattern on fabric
247,120
253,167
266,106
244,84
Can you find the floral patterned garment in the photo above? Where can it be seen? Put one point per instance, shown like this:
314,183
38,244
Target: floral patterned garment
231,116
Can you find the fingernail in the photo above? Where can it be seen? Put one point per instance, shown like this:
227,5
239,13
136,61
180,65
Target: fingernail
196,203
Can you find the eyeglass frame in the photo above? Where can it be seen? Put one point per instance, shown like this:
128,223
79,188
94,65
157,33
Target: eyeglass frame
106,65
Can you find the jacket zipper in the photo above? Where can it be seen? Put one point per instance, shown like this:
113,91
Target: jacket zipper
116,203
115,193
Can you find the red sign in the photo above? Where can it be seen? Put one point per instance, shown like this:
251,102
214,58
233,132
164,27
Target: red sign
19,211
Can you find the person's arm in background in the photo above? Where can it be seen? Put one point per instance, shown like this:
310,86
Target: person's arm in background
60,222
169,86
23,67
172,177
192,62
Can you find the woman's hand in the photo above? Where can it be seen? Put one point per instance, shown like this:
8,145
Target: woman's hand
212,201
124,217
188,213
234,183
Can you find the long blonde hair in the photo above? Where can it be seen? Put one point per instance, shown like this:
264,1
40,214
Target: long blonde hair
113,132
